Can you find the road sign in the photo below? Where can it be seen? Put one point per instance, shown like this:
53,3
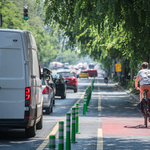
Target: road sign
0,20
118,67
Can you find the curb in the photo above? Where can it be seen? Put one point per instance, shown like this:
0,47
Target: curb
135,97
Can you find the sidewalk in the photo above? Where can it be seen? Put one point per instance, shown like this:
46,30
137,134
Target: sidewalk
135,97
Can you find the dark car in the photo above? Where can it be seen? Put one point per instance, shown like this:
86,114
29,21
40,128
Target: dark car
70,77
60,85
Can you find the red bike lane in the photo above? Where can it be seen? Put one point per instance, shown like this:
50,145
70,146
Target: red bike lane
122,124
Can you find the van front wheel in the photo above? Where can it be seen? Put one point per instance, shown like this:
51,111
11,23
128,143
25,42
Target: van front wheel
31,131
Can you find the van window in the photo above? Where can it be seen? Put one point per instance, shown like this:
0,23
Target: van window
11,63
34,64
31,41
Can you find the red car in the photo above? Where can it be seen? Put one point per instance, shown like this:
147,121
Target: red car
70,77
92,73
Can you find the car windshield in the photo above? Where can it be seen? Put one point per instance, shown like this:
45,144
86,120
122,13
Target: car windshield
84,72
66,74
55,76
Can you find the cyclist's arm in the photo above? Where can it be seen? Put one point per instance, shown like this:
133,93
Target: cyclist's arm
136,83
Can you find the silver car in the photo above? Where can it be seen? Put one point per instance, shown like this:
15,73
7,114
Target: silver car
48,96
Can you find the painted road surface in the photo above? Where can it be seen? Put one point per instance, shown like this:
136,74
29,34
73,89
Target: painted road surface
112,121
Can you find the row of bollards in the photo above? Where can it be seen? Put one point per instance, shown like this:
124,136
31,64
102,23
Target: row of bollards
75,123
87,97
75,130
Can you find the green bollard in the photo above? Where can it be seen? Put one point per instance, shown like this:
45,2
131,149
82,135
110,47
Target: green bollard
73,135
61,136
86,99
77,118
84,108
68,145
52,142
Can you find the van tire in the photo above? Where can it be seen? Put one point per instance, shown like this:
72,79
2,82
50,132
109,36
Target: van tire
39,125
31,131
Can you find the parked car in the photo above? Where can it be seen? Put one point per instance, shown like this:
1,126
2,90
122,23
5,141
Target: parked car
60,85
84,74
72,80
47,93
21,101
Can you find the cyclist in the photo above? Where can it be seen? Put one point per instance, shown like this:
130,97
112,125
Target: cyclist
105,75
144,77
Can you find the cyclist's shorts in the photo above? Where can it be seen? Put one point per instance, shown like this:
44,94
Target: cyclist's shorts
143,87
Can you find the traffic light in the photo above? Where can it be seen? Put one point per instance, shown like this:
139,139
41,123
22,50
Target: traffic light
25,9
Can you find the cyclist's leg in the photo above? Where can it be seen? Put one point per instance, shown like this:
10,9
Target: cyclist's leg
142,88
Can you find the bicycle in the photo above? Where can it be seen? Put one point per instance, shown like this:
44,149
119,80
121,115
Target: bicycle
145,109
106,80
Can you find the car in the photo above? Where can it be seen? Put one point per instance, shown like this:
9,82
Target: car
91,66
50,82
47,94
21,101
66,66
61,87
84,74
70,77
92,73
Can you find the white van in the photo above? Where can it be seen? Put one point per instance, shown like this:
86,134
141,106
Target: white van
21,102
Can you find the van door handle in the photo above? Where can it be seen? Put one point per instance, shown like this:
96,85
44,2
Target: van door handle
32,76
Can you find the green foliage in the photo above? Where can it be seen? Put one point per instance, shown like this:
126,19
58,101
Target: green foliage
12,12
104,29
68,56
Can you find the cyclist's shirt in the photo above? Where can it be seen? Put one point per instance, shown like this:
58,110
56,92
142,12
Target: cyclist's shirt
105,75
144,76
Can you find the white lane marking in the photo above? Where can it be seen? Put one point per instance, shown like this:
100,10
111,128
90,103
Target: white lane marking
99,133
99,140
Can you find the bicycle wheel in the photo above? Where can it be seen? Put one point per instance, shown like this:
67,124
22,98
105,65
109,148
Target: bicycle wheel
145,116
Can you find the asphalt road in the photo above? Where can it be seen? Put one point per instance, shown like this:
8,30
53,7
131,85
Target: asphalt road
111,123
15,139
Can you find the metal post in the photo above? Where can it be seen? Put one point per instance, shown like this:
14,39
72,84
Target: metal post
68,145
52,142
73,135
61,135
77,118
84,108
86,100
